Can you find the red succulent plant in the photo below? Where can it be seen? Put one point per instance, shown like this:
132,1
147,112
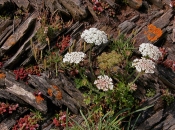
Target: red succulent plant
164,52
169,64
22,73
28,122
5,107
60,120
97,6
64,43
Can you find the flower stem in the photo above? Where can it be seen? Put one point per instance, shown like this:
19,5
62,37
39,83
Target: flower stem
84,46
72,47
69,49
139,74
56,68
90,63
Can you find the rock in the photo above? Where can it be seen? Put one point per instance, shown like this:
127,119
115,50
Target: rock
136,4
4,24
157,3
173,32
172,127
150,122
18,34
24,92
17,57
74,26
37,4
4,94
90,9
78,2
3,1
169,122
171,51
29,54
166,76
167,2
156,15
161,23
22,3
159,104
159,126
169,29
65,94
164,20
54,6
68,94
111,3
145,5
6,32
135,18
77,12
3,126
126,26
75,31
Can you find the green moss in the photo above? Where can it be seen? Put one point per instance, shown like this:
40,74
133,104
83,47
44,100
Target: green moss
150,92
53,31
168,97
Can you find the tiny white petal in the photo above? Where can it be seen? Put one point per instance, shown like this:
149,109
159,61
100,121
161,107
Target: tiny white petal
93,35
150,50
74,57
143,64
104,82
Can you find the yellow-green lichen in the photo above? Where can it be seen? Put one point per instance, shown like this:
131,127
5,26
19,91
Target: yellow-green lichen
109,60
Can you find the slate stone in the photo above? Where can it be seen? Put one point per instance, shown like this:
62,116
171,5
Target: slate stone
169,122
157,3
164,20
22,3
3,1
136,4
150,122
161,23
126,26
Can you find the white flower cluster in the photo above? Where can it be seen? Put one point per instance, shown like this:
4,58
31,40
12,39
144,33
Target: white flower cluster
93,35
144,65
74,57
150,50
104,82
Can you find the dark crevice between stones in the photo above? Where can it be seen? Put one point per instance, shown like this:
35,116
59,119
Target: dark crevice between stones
7,9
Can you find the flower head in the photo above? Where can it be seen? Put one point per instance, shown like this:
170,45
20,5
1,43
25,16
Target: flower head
132,86
150,50
144,65
104,82
74,57
93,35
